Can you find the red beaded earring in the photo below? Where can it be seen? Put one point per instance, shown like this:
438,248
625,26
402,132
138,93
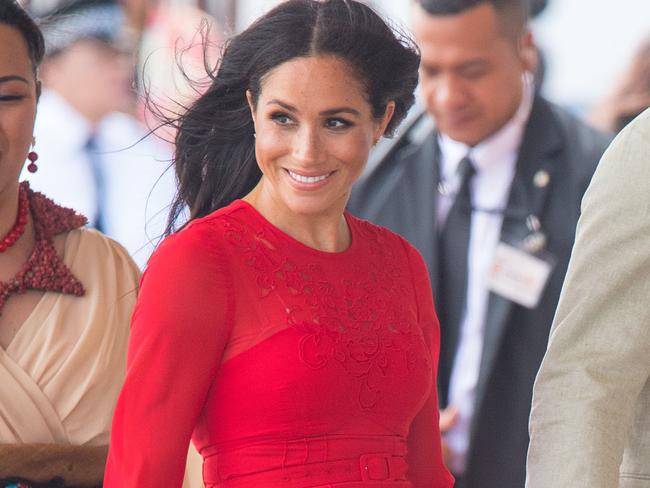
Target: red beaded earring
33,157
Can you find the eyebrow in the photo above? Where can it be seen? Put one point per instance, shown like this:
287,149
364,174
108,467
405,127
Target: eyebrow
331,111
473,62
464,64
4,79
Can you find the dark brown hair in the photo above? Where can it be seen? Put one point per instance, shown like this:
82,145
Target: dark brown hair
14,15
215,156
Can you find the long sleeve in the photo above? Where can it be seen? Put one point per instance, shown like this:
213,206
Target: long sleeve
426,468
597,364
178,332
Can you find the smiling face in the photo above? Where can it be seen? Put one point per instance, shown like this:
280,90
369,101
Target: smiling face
17,107
314,129
471,71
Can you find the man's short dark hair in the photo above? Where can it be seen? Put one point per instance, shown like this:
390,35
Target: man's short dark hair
513,14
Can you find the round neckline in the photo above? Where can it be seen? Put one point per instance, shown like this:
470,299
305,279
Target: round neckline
292,240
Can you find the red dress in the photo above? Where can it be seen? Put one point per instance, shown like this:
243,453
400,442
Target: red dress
288,366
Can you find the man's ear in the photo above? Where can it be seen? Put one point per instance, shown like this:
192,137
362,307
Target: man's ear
528,52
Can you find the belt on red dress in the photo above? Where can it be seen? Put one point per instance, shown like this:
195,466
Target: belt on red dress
367,468
318,467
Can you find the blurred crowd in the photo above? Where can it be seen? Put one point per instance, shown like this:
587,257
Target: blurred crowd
113,73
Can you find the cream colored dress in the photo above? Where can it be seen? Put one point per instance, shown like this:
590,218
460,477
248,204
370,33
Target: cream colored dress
63,370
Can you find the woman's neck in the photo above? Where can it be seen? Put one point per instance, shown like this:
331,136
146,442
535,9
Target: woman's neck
326,232
8,209
13,258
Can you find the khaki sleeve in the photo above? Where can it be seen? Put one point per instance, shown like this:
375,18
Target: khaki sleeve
597,360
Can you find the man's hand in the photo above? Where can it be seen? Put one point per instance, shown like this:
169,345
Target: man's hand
448,419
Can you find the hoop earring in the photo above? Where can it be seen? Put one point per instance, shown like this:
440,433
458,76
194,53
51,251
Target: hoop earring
33,157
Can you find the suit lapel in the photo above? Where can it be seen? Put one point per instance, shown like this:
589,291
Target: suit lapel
449,336
419,224
415,199
537,155
432,143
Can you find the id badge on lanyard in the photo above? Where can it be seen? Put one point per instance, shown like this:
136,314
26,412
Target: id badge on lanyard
520,270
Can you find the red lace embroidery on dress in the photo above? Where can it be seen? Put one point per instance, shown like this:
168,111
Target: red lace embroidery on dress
44,269
348,322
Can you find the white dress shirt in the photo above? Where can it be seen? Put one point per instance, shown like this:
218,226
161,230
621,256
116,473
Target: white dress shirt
136,192
494,160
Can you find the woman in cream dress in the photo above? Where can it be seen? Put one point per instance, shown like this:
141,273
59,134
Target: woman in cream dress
66,295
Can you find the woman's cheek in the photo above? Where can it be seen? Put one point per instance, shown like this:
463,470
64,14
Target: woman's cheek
354,149
275,140
269,146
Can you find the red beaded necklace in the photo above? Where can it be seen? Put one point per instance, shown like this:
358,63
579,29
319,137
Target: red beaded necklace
21,221
44,269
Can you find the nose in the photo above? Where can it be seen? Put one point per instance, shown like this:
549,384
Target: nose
449,93
306,145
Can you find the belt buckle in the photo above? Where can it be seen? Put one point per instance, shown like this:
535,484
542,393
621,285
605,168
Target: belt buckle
374,467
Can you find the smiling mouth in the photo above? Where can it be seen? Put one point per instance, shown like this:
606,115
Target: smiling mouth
309,180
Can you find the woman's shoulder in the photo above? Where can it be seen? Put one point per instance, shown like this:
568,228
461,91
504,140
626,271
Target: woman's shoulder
201,242
104,251
209,230
384,236
91,255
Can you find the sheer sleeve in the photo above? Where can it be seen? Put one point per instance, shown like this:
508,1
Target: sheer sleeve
426,468
178,332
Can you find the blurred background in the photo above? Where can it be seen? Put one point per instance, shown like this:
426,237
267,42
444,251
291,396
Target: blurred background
112,77
587,43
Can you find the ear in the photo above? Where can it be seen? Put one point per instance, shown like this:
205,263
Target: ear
251,107
48,70
249,98
380,126
528,52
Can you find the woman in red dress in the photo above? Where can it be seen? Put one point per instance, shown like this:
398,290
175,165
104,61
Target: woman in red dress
295,344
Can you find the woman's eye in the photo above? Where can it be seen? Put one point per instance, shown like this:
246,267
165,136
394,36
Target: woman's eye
281,118
337,123
10,98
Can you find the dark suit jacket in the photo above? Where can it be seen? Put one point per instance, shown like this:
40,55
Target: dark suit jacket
399,192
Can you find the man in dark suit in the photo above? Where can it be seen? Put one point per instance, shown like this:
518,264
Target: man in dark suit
490,196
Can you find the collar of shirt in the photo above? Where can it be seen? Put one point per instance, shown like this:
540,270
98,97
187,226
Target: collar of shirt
494,158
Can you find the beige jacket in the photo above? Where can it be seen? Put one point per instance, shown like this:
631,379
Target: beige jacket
590,422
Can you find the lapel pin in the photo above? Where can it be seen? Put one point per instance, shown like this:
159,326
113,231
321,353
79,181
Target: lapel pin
443,188
541,179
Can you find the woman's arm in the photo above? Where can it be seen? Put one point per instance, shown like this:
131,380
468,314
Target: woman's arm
179,329
426,468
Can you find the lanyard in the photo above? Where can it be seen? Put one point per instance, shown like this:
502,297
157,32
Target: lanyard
536,239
